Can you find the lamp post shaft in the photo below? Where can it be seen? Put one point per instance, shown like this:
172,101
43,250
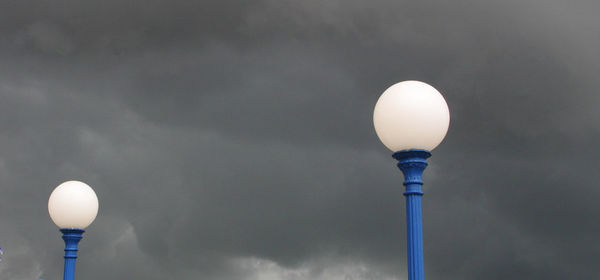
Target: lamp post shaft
413,163
71,238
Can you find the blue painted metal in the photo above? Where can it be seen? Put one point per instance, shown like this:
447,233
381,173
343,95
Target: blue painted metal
71,236
412,163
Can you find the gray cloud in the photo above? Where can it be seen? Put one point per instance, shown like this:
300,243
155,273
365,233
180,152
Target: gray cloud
234,140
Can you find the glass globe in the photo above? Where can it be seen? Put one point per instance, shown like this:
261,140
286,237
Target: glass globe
411,115
73,204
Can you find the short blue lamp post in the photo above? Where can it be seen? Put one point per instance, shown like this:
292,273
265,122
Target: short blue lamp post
73,206
411,118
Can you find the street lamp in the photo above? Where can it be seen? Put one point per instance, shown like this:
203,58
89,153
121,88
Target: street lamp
73,206
411,118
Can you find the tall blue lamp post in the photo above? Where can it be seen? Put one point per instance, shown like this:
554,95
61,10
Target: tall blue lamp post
73,206
411,118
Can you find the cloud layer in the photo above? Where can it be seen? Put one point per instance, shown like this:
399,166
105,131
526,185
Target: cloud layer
234,140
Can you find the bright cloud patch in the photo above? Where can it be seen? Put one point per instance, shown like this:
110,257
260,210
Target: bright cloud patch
262,269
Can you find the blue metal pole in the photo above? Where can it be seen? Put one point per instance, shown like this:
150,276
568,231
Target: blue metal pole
412,163
71,238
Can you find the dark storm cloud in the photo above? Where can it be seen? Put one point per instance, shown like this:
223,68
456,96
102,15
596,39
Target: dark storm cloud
234,140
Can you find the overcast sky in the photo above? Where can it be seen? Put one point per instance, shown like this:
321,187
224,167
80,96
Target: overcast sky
233,140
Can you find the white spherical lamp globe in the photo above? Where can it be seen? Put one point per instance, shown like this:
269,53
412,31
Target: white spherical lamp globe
411,115
73,204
